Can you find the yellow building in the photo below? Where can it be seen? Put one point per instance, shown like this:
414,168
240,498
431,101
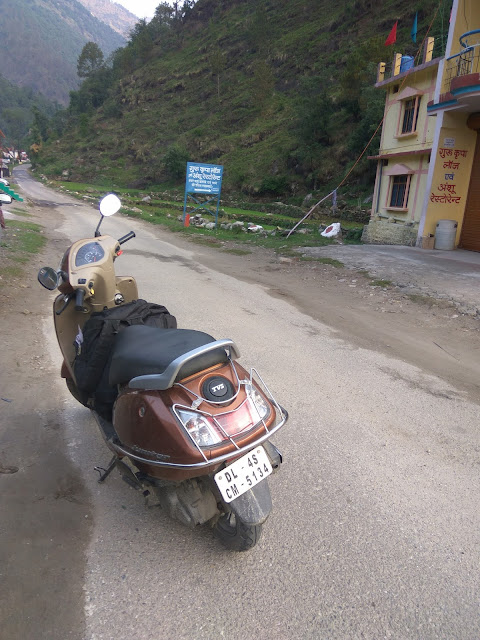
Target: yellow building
427,188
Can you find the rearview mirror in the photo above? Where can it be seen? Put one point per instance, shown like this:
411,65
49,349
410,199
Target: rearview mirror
109,205
48,278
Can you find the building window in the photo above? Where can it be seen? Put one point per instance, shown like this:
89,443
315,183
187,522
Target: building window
410,115
400,189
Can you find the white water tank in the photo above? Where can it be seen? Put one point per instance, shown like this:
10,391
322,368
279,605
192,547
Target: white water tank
445,234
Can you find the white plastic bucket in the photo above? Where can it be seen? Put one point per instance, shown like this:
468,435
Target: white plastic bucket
445,234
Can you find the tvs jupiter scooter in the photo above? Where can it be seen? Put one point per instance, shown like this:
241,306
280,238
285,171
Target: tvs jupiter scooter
187,425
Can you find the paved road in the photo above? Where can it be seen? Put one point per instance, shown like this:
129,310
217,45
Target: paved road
375,531
451,275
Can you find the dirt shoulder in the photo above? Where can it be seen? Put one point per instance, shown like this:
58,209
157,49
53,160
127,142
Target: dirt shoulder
46,511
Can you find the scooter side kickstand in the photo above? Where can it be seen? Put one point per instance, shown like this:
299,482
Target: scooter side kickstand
106,472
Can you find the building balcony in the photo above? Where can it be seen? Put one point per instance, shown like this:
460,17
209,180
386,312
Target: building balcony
403,65
460,90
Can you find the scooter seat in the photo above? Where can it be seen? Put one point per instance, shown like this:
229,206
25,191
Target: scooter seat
140,350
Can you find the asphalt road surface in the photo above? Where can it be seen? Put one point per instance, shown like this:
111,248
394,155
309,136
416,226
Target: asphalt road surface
375,528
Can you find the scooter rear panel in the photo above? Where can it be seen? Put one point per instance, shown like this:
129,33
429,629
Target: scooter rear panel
147,426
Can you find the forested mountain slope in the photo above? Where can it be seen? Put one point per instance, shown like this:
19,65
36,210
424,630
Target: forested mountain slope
42,39
17,107
278,91
112,14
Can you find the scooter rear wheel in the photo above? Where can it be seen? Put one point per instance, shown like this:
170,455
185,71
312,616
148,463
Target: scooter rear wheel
235,534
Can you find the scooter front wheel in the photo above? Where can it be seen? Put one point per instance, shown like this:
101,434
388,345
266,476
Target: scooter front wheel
235,534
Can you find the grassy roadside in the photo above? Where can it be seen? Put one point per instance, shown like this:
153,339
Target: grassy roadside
166,209
18,242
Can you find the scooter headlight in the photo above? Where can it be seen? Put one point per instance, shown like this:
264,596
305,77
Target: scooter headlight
200,428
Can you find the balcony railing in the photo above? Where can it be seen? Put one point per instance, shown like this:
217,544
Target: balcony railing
404,63
464,63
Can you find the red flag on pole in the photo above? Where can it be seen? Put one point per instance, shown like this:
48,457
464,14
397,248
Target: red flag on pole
392,37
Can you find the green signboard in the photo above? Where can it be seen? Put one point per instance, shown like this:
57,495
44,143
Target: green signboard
10,192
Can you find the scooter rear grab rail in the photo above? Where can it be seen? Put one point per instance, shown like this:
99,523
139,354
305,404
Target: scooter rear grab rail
123,450
162,381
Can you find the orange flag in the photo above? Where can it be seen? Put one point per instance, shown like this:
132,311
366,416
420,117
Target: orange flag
392,37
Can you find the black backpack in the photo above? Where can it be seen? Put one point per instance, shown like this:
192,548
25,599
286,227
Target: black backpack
92,362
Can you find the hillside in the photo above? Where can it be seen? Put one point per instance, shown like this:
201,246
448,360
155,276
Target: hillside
113,14
280,92
17,107
42,39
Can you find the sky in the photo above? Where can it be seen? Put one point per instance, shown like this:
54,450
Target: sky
140,8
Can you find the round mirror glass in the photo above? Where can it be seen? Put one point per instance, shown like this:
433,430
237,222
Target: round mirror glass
48,278
109,205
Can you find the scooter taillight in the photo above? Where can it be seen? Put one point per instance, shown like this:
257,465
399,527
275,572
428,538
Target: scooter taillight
208,430
242,419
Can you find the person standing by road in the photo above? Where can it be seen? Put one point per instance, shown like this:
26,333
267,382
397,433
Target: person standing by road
2,219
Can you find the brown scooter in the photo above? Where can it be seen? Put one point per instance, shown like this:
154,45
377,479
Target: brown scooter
190,427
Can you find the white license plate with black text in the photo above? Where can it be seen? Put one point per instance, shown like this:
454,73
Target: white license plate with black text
243,474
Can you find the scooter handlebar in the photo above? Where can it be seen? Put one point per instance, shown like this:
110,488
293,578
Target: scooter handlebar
128,236
79,296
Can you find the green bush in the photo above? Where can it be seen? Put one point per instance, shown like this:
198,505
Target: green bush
175,161
274,185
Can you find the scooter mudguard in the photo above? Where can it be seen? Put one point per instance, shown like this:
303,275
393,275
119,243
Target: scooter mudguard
254,506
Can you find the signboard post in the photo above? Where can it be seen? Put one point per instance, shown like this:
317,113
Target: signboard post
202,179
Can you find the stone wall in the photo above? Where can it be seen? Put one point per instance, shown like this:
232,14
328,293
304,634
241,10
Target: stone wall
389,232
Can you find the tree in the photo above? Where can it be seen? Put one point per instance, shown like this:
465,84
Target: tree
264,83
93,92
218,63
355,76
41,121
90,60
175,161
16,125
314,112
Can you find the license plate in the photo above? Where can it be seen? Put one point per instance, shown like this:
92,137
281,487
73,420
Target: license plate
243,474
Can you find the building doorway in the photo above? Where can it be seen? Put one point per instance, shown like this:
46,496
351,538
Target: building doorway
470,236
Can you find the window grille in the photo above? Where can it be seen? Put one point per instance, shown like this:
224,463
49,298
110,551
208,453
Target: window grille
400,189
410,115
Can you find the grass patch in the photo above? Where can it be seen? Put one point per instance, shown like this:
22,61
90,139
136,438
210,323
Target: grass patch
10,272
20,212
209,242
381,283
330,261
237,252
19,242
419,298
